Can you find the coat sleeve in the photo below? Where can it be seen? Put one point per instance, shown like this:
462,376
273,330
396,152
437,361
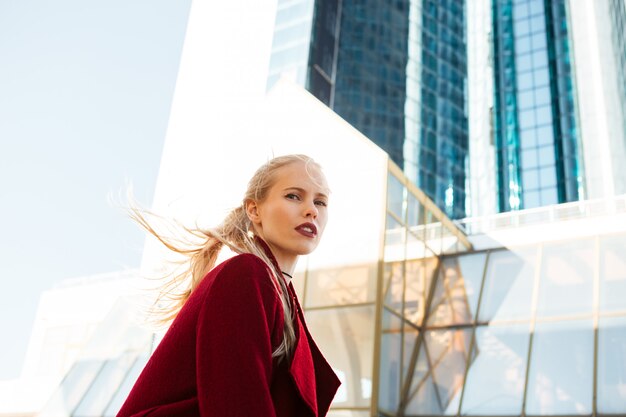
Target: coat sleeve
234,341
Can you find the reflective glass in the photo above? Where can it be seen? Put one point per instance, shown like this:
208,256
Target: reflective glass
548,196
347,285
530,179
495,380
346,336
394,285
542,96
566,269
409,342
419,277
524,81
540,60
544,135
539,40
127,384
395,196
546,155
75,384
507,292
522,44
457,291
103,388
613,273
523,63
390,362
560,379
543,115
394,239
447,351
529,158
525,100
612,365
547,176
532,199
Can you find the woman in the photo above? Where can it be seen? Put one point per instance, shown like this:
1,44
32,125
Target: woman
239,345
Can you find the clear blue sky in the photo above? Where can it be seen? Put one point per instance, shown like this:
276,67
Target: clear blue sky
85,94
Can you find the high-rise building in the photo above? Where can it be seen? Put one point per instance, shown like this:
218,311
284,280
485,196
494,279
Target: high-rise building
394,70
488,105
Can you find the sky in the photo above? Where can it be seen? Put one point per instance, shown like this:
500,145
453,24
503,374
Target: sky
85,93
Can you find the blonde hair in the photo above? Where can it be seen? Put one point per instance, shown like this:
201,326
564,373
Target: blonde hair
235,232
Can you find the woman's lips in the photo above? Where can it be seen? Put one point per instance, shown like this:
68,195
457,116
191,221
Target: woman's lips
307,229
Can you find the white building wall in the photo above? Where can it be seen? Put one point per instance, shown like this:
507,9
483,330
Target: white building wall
600,116
481,196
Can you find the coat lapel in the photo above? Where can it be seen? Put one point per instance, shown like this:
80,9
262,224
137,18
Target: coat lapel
314,377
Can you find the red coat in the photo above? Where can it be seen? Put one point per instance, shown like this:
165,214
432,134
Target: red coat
216,358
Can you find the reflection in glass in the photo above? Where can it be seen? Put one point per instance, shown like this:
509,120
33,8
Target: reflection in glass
612,273
390,363
394,285
346,336
419,276
447,351
395,196
458,288
612,365
348,285
127,384
560,380
495,381
508,285
566,268
103,388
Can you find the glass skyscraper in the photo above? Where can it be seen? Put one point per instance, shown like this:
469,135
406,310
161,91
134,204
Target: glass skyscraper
394,70
536,137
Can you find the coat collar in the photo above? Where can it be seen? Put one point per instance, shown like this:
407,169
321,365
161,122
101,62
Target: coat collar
314,378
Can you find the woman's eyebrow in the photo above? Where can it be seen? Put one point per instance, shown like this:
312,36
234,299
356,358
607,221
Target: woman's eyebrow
302,190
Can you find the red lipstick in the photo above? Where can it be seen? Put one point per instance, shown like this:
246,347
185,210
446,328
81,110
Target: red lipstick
307,229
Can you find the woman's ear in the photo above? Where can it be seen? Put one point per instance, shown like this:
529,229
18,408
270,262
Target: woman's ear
252,210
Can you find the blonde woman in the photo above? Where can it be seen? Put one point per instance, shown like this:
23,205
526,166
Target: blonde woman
238,345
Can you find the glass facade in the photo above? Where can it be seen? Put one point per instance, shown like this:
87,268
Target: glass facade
537,150
617,11
534,330
394,70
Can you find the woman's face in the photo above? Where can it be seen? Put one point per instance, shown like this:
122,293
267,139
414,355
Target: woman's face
292,217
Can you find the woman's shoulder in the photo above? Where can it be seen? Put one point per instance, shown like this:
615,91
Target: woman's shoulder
242,271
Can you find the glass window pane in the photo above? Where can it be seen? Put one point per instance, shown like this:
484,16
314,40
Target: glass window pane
531,199
613,273
128,382
394,285
101,391
546,156
548,176
456,295
390,362
567,269
419,276
544,135
447,351
530,179
508,285
612,365
395,196
560,380
346,336
495,381
349,285
543,115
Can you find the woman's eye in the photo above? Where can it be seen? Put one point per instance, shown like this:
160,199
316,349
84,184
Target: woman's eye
321,203
292,196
